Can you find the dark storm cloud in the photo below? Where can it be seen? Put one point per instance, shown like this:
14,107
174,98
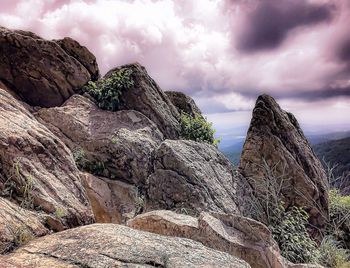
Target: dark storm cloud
316,95
269,23
343,52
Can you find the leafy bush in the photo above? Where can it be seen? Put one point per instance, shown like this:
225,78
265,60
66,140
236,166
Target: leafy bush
197,128
339,216
331,254
107,91
289,230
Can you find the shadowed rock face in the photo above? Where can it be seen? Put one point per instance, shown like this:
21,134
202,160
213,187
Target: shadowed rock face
183,103
82,54
38,70
37,169
146,97
275,138
109,245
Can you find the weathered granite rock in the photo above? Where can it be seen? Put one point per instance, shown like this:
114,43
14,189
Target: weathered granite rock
37,169
38,70
82,54
275,138
112,201
183,103
146,97
110,245
116,145
241,237
17,226
192,176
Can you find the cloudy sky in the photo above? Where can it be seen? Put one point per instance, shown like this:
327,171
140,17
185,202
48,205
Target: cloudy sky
223,53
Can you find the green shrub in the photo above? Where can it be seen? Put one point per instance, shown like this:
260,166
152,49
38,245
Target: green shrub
292,237
339,216
331,254
197,128
107,91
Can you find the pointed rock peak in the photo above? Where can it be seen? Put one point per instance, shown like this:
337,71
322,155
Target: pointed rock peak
276,148
183,103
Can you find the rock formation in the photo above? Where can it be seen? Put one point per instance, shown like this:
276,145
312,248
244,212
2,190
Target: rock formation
239,236
38,70
82,54
183,103
111,245
117,145
276,146
37,169
146,97
192,177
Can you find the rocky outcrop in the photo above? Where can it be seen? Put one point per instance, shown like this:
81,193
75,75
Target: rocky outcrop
117,145
37,169
112,201
82,54
192,177
276,142
183,103
146,97
241,237
18,226
38,70
109,245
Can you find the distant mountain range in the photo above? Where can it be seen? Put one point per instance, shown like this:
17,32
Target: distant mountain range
233,148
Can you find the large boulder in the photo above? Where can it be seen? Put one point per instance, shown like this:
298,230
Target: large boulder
112,201
147,97
276,149
183,103
241,237
37,169
117,145
110,245
38,70
18,226
82,54
191,176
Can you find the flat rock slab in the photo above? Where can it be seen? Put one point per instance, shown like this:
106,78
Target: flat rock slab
110,245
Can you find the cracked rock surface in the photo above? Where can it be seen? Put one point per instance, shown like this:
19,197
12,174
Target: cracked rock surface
38,70
110,245
192,177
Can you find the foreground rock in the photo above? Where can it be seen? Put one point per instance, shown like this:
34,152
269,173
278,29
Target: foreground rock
17,226
193,177
112,201
116,145
239,236
38,70
82,54
146,97
276,140
37,169
183,103
109,245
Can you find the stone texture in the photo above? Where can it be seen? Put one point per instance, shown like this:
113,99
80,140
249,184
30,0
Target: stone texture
18,225
112,201
38,70
122,141
82,54
274,136
37,169
147,98
192,177
110,245
183,103
241,237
